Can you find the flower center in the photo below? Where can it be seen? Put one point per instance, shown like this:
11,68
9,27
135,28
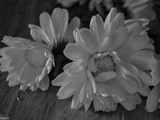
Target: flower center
36,57
103,62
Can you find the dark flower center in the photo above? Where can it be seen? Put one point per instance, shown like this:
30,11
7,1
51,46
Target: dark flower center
104,62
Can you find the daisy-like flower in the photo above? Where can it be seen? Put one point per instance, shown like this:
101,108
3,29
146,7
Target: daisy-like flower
111,64
141,8
108,4
29,62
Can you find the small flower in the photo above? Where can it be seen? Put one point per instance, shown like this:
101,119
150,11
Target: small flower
68,3
111,64
141,8
29,62
108,4
55,27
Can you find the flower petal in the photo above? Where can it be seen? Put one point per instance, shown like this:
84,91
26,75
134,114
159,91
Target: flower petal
116,38
75,23
86,40
119,20
69,89
73,52
92,81
61,80
112,88
105,76
110,16
47,26
39,35
44,83
87,103
17,42
153,99
60,21
133,44
140,59
97,26
131,101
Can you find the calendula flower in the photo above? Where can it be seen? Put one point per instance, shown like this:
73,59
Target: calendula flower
108,4
111,64
29,62
141,8
68,3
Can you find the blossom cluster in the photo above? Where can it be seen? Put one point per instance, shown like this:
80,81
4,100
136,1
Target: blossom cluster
113,61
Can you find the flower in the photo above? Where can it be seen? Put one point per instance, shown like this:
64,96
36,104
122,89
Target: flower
68,3
111,64
141,8
55,27
29,62
108,4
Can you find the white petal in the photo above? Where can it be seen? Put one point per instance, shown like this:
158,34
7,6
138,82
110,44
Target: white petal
75,23
75,84
153,99
133,44
39,35
60,21
119,20
110,16
87,103
140,59
85,38
61,80
47,26
73,52
92,81
97,26
105,76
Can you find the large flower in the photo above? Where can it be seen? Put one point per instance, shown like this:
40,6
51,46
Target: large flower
29,62
141,8
111,64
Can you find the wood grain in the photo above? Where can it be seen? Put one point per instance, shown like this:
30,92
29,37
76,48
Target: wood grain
15,15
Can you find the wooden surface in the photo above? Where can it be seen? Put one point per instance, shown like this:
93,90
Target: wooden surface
15,15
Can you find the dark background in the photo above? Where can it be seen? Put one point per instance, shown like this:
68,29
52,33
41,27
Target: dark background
15,15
